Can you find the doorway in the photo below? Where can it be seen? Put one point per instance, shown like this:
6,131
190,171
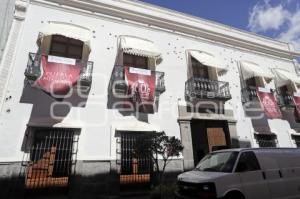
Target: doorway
208,136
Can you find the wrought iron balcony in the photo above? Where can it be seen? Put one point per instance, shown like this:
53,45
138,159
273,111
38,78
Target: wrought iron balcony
33,70
207,89
284,100
118,84
249,93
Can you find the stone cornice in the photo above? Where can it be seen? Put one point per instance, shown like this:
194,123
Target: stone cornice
181,23
20,9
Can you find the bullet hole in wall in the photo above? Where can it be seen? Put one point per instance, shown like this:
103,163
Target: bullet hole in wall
8,110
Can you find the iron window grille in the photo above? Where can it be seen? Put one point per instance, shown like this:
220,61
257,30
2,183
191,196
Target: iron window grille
51,158
134,169
266,140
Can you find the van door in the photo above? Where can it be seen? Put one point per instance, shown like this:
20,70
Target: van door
251,176
270,164
290,172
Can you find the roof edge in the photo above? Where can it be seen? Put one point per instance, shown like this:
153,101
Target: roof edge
182,23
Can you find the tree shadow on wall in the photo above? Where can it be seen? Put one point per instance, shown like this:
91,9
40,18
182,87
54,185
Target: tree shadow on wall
258,117
46,107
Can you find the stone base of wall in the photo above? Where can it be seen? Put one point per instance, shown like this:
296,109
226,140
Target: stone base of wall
91,179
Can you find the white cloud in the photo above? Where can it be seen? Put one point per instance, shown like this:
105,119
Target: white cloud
264,17
292,34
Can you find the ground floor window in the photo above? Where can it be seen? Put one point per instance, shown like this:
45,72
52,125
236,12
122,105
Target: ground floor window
51,157
266,140
135,169
297,141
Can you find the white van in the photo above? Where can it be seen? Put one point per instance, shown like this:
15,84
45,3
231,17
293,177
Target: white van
264,173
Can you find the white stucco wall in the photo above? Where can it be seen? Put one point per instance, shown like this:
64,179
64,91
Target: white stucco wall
97,139
6,17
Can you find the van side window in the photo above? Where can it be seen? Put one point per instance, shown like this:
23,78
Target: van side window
247,162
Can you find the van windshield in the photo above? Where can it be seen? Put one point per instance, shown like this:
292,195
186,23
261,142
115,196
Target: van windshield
218,162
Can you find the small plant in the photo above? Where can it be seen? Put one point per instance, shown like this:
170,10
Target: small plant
160,147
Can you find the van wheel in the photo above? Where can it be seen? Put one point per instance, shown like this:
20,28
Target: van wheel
234,195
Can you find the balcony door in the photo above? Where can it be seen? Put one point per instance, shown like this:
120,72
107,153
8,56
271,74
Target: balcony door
66,47
135,61
254,82
199,70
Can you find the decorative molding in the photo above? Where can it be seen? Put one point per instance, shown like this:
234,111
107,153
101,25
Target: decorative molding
8,59
20,9
177,22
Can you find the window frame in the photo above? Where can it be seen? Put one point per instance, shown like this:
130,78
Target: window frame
135,61
68,43
197,68
259,168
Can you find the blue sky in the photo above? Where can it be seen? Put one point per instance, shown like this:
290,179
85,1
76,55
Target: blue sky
279,19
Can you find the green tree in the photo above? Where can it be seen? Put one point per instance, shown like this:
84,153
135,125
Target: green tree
159,146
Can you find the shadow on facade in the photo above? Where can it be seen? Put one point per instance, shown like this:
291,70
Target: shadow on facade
258,117
288,114
116,99
46,110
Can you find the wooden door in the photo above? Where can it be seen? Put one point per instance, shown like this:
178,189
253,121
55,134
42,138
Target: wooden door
215,137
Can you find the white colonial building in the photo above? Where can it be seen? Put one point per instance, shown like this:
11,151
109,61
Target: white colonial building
82,80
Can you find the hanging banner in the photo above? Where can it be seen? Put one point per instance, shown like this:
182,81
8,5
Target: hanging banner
296,99
141,88
59,74
269,103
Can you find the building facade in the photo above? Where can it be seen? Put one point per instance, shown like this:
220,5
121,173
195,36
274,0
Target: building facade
82,81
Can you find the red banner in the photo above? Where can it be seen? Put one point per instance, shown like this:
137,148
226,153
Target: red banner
141,88
58,74
269,103
296,99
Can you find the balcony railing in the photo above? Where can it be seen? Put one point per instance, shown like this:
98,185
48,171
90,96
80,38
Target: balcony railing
118,84
33,69
249,93
285,100
207,89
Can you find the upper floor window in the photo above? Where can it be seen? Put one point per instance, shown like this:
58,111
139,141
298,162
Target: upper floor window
66,47
199,70
251,82
204,65
65,40
135,61
255,75
287,79
138,52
